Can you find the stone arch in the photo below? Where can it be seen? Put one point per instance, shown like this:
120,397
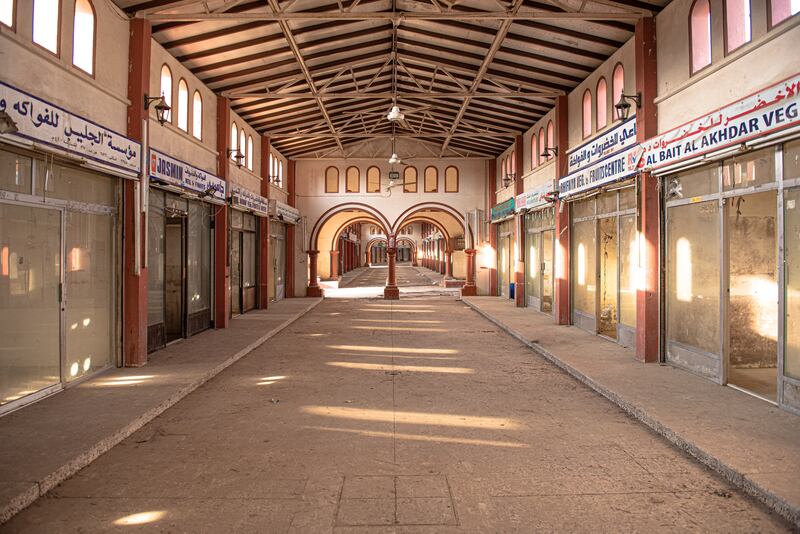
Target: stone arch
378,218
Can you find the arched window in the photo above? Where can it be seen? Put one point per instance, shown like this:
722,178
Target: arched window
250,152
271,168
197,115
451,180
373,180
431,179
601,95
7,13
280,173
551,141
542,144
183,106
242,147
700,35
234,139
166,90
410,180
738,24
780,10
83,36
618,84
587,114
331,180
512,164
534,153
46,16
352,180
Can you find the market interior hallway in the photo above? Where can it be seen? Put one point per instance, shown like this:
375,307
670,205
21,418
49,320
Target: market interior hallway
417,415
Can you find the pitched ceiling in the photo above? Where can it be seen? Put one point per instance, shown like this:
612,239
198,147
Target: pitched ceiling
319,76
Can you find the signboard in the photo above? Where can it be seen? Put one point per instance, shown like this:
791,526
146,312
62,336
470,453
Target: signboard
535,198
772,109
619,138
41,122
247,200
503,210
283,212
174,172
608,170
394,175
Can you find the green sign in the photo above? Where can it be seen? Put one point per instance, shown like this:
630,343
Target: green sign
503,210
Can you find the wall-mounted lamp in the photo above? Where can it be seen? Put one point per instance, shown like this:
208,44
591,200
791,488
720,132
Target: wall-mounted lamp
161,107
7,124
546,151
508,178
236,156
623,107
274,179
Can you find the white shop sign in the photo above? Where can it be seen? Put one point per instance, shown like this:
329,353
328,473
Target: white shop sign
39,121
615,140
770,110
535,198
283,212
609,170
176,173
248,200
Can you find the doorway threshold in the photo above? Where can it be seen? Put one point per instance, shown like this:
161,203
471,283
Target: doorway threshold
752,394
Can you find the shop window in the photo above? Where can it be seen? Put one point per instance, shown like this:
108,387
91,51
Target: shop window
617,84
601,94
197,116
332,180
7,13
451,179
410,180
373,180
166,90
542,146
234,138
15,172
629,270
46,18
250,152
242,147
738,24
791,160
695,183
754,168
584,267
352,180
534,152
587,114
431,179
781,10
183,105
83,36
700,35
551,141
792,269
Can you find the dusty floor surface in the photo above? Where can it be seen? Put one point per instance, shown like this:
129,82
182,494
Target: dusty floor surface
405,416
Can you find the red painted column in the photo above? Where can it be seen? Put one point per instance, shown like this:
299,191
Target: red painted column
491,184
291,230
562,287
649,221
470,289
519,232
313,289
222,271
334,264
134,287
264,270
391,291
448,266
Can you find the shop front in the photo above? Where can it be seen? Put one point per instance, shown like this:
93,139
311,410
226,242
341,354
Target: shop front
539,249
60,213
604,255
181,207
503,219
732,245
244,247
281,217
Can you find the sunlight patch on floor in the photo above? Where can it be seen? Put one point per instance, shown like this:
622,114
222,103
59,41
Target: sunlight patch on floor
408,368
412,418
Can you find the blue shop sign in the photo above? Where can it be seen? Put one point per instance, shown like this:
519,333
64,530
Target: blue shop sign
503,210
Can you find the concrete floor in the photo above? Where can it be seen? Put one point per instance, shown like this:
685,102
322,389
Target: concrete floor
407,416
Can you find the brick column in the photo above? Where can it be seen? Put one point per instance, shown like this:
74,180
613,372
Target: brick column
334,264
264,270
519,233
649,220
313,289
291,230
491,184
448,269
562,289
222,270
391,291
134,287
469,289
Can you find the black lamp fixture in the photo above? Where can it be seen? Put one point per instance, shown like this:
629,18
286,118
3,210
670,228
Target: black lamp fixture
508,178
546,151
236,156
161,107
623,107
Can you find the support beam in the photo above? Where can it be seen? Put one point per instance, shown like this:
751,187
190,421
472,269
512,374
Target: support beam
367,95
519,227
505,16
562,281
222,258
263,238
291,231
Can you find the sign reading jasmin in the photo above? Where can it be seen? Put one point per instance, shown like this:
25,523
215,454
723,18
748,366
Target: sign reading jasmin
42,122
248,200
619,138
611,169
177,173
535,198
503,210
772,109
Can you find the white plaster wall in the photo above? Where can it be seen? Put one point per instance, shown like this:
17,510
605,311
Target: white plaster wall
767,59
101,98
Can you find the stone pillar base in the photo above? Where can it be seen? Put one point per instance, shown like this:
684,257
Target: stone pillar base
391,293
469,291
314,291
